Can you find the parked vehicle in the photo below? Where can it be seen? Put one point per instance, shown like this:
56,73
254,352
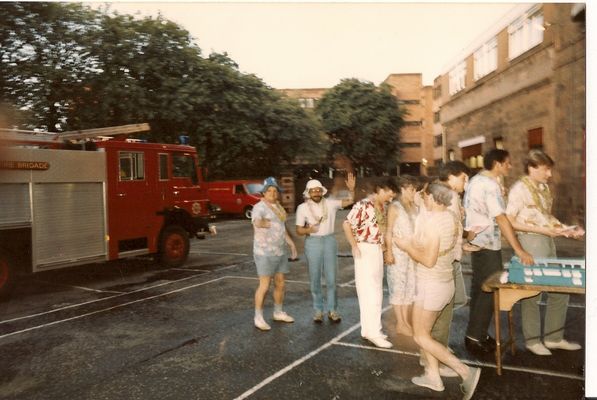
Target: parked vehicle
117,198
235,196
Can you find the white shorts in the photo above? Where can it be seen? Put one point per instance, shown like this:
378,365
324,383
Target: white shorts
432,295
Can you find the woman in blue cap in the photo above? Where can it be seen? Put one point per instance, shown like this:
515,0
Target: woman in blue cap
270,253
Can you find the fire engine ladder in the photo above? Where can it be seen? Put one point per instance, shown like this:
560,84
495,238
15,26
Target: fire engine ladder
24,136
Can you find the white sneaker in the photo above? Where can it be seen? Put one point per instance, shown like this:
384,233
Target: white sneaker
261,324
538,349
380,342
428,382
563,345
281,316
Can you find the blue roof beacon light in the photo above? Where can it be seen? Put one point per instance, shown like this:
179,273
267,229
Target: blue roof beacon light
184,139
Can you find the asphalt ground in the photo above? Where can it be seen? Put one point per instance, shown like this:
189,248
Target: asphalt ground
129,330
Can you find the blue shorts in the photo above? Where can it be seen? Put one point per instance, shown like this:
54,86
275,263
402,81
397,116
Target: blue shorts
271,265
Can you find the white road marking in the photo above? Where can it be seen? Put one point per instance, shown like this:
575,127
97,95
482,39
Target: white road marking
78,287
301,360
189,269
107,309
470,362
254,278
96,300
112,297
349,283
296,363
217,253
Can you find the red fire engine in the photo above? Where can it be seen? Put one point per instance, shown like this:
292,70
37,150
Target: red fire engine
110,199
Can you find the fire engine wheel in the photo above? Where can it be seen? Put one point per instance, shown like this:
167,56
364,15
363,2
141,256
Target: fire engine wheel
248,212
6,275
174,246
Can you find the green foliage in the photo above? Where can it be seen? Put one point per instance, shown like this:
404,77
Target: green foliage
66,67
362,122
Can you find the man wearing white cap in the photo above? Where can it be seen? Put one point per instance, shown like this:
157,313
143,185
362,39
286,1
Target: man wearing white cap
315,219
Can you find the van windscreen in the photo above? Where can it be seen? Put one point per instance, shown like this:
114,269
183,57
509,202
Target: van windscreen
254,188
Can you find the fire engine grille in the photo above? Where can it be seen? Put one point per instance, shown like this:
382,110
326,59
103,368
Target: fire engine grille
15,208
69,222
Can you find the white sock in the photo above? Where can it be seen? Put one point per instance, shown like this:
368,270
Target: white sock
258,313
277,308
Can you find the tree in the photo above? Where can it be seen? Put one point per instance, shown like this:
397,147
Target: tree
71,67
362,122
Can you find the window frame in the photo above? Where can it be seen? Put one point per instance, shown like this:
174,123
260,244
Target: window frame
135,166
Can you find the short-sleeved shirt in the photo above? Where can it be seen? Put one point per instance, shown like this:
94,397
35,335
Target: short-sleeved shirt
322,213
268,241
483,201
530,203
364,222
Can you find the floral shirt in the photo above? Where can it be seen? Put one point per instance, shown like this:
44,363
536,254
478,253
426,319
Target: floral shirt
367,224
483,201
530,203
268,241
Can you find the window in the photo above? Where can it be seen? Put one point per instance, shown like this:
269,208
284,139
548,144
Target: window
437,92
525,33
183,166
413,144
498,143
457,77
436,116
451,156
239,189
472,156
307,102
163,159
132,167
437,140
535,138
413,123
485,59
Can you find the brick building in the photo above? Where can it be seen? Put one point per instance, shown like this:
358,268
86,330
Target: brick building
416,137
519,86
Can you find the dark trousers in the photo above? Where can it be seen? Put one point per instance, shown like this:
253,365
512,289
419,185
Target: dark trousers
484,263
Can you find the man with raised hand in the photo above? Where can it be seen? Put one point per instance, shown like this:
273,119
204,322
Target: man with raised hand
315,220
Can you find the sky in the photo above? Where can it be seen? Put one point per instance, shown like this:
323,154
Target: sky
315,45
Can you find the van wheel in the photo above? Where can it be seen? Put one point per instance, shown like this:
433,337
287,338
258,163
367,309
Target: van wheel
7,275
248,212
174,246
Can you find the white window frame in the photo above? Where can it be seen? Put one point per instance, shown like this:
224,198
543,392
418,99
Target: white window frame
457,78
525,33
485,58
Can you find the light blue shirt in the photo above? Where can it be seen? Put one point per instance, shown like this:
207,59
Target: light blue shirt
483,201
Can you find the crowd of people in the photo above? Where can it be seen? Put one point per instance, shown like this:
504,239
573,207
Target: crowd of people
419,228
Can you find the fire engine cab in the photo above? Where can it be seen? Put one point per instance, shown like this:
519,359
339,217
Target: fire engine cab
85,197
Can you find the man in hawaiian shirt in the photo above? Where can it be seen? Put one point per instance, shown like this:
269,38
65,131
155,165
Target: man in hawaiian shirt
364,229
315,219
486,221
529,211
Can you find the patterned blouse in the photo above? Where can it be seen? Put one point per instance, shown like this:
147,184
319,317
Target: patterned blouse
367,223
269,241
483,201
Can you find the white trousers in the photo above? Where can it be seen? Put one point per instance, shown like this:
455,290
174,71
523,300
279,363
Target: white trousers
368,276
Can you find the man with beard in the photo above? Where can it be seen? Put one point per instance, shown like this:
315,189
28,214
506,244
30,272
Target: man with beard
315,219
